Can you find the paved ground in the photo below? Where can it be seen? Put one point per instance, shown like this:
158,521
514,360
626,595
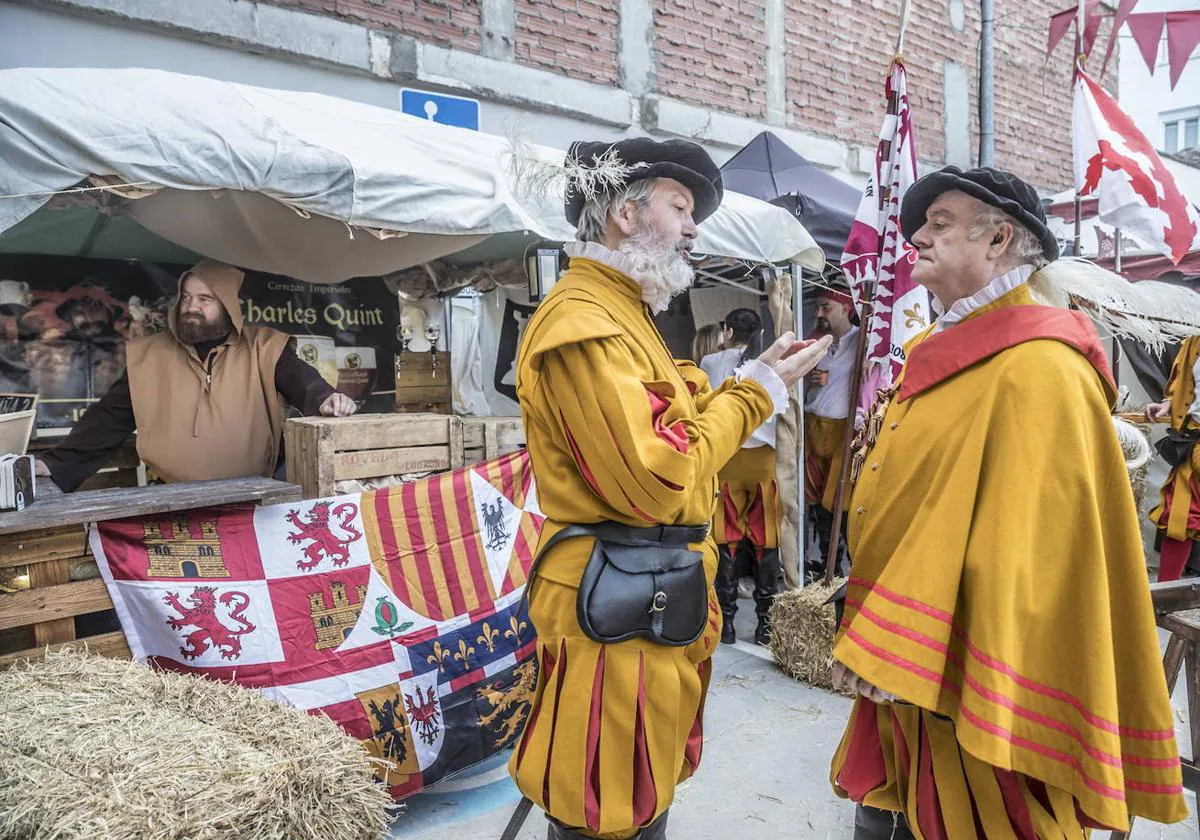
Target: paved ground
767,745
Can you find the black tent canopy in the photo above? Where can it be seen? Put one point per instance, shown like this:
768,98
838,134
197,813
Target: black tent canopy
769,169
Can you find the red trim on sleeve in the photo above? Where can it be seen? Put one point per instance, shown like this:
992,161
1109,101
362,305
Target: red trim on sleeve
675,434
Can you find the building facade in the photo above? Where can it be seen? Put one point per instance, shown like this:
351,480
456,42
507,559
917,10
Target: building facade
1169,117
717,71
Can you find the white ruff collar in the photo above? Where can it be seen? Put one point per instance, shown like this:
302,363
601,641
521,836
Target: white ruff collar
992,292
655,293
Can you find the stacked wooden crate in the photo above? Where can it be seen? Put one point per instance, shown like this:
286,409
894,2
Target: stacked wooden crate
489,437
322,451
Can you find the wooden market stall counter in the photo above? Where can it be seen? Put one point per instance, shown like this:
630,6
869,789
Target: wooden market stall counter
48,542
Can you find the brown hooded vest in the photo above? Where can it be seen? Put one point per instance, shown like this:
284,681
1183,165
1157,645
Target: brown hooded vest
198,421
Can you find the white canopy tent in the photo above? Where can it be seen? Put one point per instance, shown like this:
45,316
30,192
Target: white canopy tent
301,184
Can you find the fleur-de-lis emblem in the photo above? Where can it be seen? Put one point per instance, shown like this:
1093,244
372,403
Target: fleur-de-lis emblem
464,652
488,639
438,657
913,317
515,629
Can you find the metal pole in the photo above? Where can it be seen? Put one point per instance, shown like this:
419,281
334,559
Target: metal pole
987,57
1078,229
801,513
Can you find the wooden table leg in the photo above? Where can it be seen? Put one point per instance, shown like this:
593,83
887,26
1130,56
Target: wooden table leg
50,573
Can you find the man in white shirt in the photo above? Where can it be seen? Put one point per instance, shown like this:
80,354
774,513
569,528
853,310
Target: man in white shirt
825,413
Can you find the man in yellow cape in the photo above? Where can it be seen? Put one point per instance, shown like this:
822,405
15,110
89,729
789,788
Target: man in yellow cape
624,437
998,626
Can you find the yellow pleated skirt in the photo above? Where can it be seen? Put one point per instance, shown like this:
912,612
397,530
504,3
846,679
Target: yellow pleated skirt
822,459
903,758
748,505
613,728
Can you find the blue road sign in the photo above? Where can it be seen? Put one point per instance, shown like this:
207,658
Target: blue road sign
447,110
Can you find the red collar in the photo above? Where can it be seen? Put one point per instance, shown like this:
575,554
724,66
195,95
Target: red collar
964,345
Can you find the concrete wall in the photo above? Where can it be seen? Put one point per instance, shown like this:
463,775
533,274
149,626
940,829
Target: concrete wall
718,71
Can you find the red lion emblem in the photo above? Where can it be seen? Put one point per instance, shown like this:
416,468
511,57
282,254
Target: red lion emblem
203,615
318,532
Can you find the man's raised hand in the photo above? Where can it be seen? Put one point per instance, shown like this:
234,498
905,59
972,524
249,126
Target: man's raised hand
791,359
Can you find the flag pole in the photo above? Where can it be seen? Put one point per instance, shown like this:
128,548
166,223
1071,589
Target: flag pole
1116,347
856,380
1080,25
858,374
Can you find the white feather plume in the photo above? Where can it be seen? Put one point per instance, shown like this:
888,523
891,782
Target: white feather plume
1134,444
1151,313
532,174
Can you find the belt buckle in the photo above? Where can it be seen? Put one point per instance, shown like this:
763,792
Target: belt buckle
659,602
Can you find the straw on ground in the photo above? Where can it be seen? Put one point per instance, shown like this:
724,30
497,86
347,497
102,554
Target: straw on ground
94,747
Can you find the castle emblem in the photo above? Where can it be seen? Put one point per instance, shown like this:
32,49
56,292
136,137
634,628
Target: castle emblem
175,552
333,623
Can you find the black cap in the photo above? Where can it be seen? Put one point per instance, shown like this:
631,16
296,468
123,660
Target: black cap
680,160
991,186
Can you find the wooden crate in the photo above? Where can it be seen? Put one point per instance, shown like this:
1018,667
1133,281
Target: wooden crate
324,450
489,437
420,387
47,538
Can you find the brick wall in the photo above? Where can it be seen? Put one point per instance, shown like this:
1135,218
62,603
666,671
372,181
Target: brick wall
712,53
577,38
835,78
446,23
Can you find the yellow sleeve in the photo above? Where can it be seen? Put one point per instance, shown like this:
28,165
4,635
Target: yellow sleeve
700,385
634,441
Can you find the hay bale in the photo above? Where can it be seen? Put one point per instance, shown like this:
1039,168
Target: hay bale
93,747
802,628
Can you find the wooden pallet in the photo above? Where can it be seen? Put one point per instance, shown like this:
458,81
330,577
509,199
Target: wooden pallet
43,541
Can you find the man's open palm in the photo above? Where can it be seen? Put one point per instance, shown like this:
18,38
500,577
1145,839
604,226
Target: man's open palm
791,359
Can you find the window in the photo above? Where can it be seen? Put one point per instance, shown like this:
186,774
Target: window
1181,129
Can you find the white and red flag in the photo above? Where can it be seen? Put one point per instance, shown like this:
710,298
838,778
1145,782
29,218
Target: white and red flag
398,613
1117,164
877,259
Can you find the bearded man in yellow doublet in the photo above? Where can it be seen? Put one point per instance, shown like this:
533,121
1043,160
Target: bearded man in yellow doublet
626,444
998,626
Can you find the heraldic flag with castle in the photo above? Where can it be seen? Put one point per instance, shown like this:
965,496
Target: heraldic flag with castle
398,613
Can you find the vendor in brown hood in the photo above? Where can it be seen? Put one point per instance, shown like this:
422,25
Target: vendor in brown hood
206,396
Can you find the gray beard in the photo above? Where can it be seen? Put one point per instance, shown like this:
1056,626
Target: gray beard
659,268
